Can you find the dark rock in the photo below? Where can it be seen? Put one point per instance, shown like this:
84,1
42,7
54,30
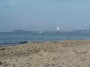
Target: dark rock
23,42
2,48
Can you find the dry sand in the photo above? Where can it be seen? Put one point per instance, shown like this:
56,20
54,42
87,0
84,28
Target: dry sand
47,54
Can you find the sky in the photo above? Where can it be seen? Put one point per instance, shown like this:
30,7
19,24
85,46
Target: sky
41,15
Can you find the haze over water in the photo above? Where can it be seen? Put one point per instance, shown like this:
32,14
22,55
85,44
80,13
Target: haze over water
40,15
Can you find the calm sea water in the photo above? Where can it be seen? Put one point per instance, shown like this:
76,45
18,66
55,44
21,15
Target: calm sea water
15,38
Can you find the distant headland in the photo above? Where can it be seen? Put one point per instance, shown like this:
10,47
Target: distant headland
73,31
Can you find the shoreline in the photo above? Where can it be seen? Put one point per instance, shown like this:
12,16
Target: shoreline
68,53
25,42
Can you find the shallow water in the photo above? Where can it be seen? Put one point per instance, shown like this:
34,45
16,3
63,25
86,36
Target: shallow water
16,38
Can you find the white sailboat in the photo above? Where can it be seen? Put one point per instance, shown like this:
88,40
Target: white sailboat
58,28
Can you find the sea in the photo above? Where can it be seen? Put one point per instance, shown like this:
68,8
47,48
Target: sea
13,38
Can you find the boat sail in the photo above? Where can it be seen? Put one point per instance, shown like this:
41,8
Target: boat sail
58,28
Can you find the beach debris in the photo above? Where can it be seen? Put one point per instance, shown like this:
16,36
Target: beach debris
82,52
2,48
1,63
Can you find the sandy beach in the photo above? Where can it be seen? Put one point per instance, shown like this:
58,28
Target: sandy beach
69,53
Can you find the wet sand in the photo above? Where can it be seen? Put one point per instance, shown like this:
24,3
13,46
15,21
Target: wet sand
69,53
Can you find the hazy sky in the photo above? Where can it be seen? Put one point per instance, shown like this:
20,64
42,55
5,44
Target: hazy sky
44,14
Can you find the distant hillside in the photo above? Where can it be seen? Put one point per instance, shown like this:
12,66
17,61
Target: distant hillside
23,31
74,31
82,31
19,31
